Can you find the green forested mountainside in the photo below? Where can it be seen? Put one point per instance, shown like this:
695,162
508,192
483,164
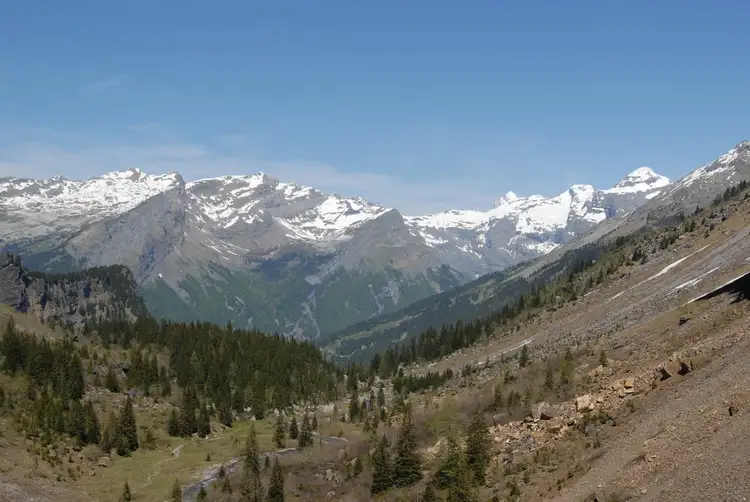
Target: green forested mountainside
231,367
218,371
270,298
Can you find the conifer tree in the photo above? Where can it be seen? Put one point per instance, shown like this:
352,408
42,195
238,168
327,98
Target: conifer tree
173,425
447,474
478,448
278,432
293,429
77,422
111,382
354,407
226,486
128,427
381,397
276,484
126,495
176,493
462,490
408,464
252,452
305,435
93,429
204,422
382,468
108,438
202,495
429,494
523,359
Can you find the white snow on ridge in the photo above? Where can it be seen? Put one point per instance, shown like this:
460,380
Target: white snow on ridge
112,193
642,179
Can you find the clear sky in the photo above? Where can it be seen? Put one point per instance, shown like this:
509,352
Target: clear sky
420,105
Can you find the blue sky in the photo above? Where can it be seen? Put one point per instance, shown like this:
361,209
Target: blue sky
418,105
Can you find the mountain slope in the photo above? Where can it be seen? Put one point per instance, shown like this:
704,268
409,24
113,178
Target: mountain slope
283,257
491,292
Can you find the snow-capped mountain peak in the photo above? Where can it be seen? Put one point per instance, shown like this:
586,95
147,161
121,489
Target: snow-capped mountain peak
59,203
304,213
643,179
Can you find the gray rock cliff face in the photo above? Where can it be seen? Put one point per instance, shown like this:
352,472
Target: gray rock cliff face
69,300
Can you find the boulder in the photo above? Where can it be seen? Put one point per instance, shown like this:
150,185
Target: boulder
104,462
544,411
629,383
584,403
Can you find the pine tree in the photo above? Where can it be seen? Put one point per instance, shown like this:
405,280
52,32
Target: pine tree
305,435
447,474
354,407
93,429
108,438
202,495
278,432
111,382
293,429
128,428
429,494
252,452
176,494
382,468
276,484
478,448
462,490
523,359
204,422
408,464
226,486
173,425
126,496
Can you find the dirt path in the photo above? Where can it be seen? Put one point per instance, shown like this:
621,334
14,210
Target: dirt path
157,467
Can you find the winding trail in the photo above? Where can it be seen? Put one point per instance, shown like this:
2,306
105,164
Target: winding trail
190,492
157,467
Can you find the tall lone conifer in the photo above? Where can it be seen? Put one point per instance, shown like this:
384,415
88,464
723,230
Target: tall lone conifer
408,464
276,484
477,448
279,433
382,468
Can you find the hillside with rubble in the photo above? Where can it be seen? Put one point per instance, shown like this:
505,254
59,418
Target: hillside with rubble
621,378
629,383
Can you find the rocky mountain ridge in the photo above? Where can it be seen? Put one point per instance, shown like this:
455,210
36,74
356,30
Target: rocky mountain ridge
69,300
702,187
280,256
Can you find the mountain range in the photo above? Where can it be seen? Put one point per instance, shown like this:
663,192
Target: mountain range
282,257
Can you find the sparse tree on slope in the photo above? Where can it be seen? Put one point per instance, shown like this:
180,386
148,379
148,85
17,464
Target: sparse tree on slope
293,429
478,448
382,468
276,484
126,495
278,432
176,494
408,464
